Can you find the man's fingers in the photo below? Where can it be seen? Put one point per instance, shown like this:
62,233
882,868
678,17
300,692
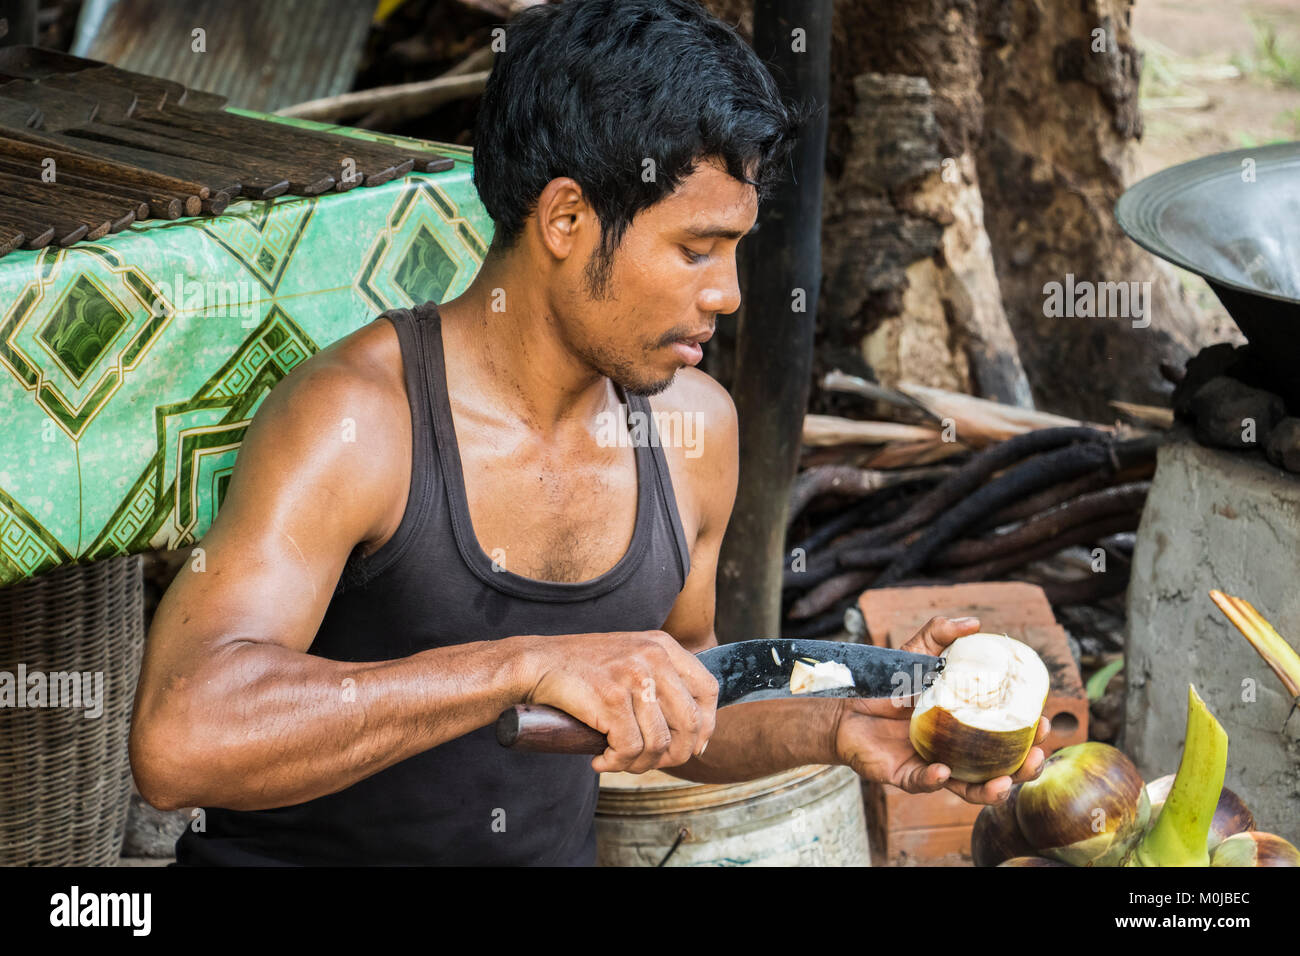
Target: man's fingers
997,789
939,632
992,791
895,709
1044,728
1032,766
655,732
920,777
703,686
684,716
625,744
698,682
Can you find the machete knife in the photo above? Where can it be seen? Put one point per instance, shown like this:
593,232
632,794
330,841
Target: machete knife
746,671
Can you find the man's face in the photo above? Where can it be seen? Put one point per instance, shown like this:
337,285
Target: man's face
671,277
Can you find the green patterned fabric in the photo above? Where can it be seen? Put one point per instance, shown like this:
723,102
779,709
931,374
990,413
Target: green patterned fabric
130,367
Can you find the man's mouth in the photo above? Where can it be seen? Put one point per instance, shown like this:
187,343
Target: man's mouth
689,349
689,352
699,338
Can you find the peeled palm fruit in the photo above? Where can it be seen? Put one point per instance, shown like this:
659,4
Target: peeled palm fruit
980,714
823,675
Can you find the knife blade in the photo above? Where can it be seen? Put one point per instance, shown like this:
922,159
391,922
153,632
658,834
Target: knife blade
745,671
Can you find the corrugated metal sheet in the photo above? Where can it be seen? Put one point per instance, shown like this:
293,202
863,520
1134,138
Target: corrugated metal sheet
262,56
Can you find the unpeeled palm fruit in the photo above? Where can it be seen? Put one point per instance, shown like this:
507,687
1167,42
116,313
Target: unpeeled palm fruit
1088,807
1031,861
1230,815
1181,835
1254,848
980,715
996,835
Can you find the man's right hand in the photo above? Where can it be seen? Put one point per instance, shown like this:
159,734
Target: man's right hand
653,700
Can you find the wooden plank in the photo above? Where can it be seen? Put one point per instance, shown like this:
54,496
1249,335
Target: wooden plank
98,166
70,197
10,238
161,204
216,178
35,220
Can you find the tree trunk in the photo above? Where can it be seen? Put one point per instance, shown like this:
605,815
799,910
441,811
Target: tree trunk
1061,120
910,279
975,152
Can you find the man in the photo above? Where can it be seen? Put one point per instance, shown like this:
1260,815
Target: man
430,521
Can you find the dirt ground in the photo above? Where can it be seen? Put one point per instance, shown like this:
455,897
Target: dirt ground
1192,103
1216,75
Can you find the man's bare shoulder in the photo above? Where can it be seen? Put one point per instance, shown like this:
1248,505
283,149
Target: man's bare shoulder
361,372
700,394
697,414
696,424
337,425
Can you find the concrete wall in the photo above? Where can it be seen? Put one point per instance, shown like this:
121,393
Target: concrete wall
1231,521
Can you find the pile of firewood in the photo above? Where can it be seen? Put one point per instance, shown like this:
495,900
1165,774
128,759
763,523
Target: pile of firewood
953,489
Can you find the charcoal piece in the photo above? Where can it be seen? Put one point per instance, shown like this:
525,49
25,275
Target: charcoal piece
1233,361
1283,446
1210,362
1232,415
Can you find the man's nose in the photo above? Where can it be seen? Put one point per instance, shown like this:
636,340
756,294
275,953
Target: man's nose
723,297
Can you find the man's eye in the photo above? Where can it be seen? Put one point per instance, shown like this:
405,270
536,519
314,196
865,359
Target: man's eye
693,256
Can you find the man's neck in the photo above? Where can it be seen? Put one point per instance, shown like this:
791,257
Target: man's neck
517,359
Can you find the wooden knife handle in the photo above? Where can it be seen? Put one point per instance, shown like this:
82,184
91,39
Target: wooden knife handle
536,728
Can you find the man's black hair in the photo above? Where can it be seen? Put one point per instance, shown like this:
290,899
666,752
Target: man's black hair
591,89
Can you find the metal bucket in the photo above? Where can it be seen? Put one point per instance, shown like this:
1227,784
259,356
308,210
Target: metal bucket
809,816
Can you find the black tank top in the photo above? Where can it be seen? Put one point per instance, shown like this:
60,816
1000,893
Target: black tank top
468,801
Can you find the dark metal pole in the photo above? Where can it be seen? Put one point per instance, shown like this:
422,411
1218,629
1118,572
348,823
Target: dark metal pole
19,22
774,347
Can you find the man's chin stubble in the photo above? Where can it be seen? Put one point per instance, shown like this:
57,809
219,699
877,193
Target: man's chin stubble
647,390
623,375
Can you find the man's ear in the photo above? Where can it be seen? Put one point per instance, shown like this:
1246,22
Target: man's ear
561,213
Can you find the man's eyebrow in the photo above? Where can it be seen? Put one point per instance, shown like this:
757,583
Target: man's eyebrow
718,232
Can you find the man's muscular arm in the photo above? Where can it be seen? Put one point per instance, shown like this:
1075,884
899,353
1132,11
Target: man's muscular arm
765,737
756,739
231,711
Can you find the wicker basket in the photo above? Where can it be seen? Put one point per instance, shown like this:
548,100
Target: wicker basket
65,780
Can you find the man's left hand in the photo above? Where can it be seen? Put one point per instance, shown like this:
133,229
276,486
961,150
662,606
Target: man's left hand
872,734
